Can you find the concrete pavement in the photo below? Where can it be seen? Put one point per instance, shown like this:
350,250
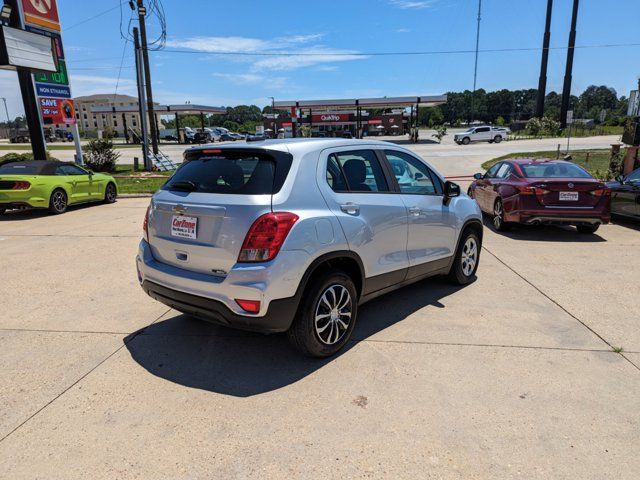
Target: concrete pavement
513,376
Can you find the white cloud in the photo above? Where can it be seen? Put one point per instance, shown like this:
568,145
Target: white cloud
411,4
253,79
313,56
281,51
240,44
82,85
403,30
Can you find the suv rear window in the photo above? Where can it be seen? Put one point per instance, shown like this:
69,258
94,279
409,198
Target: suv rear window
231,172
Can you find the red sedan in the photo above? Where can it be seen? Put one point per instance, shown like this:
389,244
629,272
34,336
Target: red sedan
537,192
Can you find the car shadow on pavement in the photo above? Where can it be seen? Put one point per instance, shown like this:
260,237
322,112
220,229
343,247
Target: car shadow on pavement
33,213
545,233
200,355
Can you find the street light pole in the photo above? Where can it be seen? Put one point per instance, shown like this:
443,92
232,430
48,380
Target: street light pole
6,110
475,67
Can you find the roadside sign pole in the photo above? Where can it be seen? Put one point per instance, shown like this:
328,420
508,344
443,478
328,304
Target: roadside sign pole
76,141
569,119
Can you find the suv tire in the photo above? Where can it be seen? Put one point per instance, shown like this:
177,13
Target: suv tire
497,139
330,303
467,259
466,141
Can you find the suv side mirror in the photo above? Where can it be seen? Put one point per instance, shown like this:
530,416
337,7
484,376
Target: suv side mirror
451,190
418,176
478,176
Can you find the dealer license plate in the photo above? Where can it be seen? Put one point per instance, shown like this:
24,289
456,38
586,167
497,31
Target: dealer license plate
184,227
568,196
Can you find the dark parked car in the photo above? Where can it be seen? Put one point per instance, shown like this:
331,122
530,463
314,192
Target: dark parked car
227,137
537,192
625,195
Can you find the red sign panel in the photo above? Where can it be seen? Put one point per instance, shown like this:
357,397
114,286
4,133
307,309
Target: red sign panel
330,118
57,110
375,122
43,13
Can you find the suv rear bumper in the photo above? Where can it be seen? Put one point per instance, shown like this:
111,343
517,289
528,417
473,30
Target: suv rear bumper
214,297
278,318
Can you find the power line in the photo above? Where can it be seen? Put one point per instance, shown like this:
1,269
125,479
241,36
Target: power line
389,54
97,15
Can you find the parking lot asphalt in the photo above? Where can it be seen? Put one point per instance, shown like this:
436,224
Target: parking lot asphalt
513,376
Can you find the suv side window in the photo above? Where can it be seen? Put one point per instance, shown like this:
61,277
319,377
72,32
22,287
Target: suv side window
482,129
491,173
412,175
356,171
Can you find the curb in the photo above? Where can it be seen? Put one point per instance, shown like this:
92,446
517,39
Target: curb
135,195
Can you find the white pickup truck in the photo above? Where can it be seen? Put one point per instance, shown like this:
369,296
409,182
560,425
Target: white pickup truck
481,134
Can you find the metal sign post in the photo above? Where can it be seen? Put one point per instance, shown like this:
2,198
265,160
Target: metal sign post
570,124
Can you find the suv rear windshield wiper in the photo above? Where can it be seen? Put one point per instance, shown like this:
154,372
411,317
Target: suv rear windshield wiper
186,185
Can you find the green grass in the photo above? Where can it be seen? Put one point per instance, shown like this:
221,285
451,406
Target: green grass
618,349
598,160
139,185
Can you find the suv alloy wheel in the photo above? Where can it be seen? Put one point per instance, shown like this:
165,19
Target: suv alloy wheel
326,317
467,258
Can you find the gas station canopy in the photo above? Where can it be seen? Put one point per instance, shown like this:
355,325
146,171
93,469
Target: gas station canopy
186,109
351,103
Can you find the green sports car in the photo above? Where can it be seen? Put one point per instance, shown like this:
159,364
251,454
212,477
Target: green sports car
52,184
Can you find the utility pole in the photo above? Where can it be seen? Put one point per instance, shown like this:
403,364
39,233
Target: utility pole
273,112
29,99
566,91
142,12
475,68
141,100
542,83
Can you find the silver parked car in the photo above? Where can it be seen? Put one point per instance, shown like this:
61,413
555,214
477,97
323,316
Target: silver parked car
293,235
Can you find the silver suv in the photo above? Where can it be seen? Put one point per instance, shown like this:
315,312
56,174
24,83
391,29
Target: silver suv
292,235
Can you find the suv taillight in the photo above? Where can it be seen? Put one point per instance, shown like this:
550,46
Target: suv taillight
145,224
266,236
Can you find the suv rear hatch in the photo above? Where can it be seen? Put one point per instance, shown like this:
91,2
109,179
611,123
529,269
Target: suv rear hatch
200,217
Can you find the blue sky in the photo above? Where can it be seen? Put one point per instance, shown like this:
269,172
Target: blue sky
341,33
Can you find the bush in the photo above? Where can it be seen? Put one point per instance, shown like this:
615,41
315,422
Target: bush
441,131
20,157
500,122
100,156
537,127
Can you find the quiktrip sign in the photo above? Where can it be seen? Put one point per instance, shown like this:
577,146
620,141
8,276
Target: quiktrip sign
41,13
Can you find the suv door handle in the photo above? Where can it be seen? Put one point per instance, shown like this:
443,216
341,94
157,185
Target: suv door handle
415,211
350,208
